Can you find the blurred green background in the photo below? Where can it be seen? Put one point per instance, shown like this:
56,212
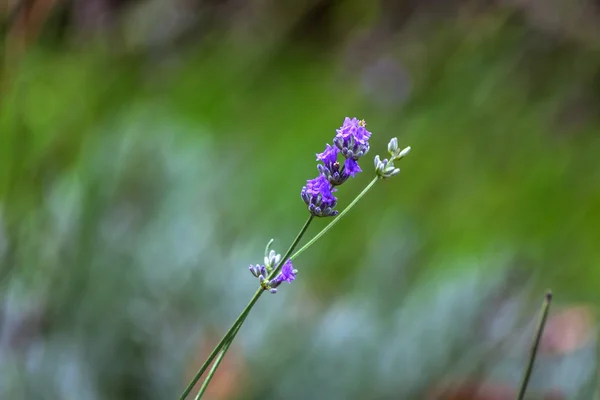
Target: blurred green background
149,150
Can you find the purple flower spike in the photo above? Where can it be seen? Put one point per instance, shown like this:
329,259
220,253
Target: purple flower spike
317,194
331,168
352,138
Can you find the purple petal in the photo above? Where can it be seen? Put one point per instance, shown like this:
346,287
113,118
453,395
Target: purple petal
351,167
287,272
329,156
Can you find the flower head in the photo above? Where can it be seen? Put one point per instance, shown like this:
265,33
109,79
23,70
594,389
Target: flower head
317,194
352,138
329,156
352,141
331,168
288,273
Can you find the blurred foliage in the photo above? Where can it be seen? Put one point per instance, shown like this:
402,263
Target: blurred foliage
137,180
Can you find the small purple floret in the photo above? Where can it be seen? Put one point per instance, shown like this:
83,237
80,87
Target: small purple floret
351,167
288,273
331,169
329,156
317,194
352,138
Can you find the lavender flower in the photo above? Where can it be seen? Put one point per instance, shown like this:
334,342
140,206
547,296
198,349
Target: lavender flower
331,168
287,274
352,138
352,141
272,258
317,194
352,167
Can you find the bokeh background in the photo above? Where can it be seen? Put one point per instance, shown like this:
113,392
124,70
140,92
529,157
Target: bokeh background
149,149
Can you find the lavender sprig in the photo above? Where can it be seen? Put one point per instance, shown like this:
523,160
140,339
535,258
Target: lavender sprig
318,196
383,169
352,142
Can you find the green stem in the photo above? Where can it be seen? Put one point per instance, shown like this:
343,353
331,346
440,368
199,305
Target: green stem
227,340
536,343
216,364
291,248
220,345
240,320
336,219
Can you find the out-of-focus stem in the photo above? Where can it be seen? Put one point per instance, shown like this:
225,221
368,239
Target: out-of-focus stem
535,345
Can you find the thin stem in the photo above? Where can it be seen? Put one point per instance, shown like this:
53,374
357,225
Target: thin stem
223,346
292,246
536,343
216,363
220,345
336,219
239,321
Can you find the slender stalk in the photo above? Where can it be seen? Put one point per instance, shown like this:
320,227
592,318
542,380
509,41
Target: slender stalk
535,345
225,342
292,246
216,364
220,345
220,357
336,219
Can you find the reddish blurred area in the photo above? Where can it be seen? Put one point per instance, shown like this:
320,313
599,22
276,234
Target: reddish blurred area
230,377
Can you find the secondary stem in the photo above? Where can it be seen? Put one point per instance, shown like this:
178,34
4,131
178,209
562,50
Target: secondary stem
292,247
536,343
216,364
336,219
220,345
